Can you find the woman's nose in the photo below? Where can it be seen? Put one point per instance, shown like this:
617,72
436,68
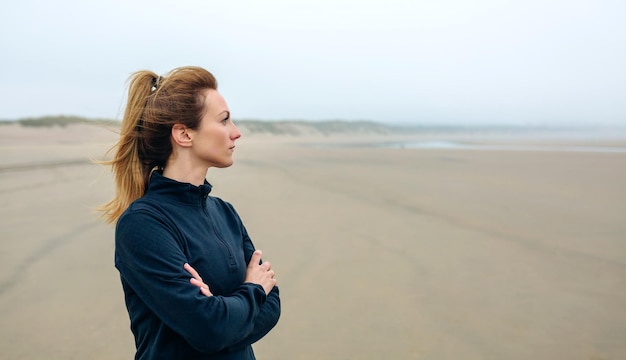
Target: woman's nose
236,134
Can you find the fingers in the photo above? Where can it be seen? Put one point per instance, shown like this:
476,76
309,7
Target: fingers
260,273
197,283
192,271
205,291
256,258
272,282
196,280
204,288
256,261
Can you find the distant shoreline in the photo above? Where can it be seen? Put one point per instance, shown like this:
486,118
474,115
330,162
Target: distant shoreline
458,145
299,128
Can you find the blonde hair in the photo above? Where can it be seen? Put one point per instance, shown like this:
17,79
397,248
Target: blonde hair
154,105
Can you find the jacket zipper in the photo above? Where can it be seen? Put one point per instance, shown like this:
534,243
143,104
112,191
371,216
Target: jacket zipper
220,240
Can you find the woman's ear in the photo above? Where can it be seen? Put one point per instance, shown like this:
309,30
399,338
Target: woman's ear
181,135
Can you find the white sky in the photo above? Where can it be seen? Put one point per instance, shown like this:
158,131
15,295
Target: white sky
438,61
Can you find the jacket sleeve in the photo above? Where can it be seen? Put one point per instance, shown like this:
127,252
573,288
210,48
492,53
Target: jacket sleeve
264,322
270,310
150,260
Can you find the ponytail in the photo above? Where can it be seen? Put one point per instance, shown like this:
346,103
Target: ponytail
154,105
126,165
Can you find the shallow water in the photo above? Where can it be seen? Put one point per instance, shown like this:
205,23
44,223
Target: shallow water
458,145
470,146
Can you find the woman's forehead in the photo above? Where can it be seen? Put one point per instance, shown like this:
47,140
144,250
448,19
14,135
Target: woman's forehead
214,103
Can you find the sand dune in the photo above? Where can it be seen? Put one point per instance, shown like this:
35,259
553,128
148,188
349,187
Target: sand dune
380,253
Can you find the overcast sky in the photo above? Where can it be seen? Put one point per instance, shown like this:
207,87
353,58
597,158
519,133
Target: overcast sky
438,61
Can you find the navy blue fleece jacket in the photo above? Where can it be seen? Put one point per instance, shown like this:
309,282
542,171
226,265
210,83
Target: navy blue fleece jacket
176,223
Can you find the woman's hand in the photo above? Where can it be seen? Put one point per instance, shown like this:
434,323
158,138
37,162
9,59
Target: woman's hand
260,274
197,280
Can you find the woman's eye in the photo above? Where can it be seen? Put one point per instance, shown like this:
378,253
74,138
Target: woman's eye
225,120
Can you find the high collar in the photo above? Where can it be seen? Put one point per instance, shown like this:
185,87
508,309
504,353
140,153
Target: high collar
185,193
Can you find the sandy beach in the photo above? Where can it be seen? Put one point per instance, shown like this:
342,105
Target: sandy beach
380,253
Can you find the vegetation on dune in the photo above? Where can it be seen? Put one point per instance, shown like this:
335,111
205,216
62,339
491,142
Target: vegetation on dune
283,127
61,120
300,127
250,126
305,127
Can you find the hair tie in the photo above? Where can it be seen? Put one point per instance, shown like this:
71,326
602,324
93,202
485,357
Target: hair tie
156,82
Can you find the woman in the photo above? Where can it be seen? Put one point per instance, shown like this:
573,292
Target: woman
170,231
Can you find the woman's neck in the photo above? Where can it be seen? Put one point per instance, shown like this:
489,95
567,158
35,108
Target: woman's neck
185,173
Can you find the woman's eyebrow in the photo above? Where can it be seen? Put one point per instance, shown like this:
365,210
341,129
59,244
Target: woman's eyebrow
224,111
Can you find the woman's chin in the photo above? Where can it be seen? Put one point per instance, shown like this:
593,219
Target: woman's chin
225,164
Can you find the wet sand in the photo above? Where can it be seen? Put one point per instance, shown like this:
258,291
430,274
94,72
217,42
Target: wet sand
380,253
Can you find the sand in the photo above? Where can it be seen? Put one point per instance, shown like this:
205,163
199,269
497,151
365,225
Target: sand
380,253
